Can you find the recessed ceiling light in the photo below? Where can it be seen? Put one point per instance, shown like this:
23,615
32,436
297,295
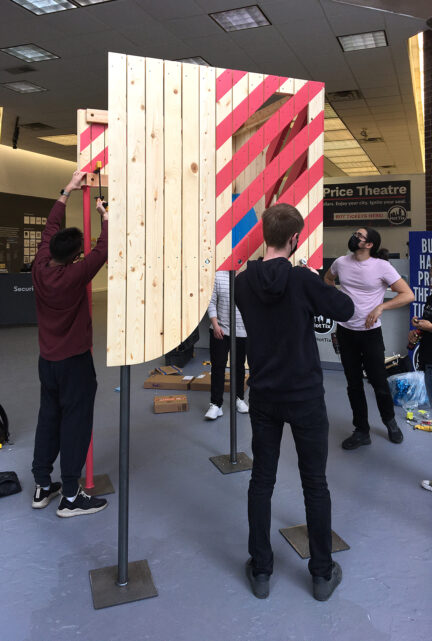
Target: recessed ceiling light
39,7
195,61
369,40
23,87
29,53
86,3
68,140
237,19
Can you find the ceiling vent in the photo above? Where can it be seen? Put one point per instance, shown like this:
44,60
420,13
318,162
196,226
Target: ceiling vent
387,166
365,140
36,126
344,96
15,71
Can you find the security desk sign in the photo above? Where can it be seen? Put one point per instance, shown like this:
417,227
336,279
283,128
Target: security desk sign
376,204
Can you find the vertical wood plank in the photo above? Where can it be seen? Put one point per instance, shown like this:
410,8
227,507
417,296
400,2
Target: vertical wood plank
207,184
83,153
116,322
258,164
135,288
154,250
190,199
172,206
315,152
223,157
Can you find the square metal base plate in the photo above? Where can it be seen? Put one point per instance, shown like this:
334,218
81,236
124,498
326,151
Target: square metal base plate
106,592
224,465
298,537
102,485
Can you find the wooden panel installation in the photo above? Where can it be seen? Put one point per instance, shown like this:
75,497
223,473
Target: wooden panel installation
195,155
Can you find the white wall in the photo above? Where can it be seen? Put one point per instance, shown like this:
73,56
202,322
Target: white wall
392,238
30,174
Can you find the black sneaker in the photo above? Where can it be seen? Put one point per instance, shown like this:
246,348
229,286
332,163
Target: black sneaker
82,504
323,588
356,439
394,433
42,497
260,583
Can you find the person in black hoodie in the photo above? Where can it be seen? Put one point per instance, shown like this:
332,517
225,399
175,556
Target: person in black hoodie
278,303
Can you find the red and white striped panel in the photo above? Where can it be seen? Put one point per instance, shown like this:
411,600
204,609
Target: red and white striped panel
292,139
92,144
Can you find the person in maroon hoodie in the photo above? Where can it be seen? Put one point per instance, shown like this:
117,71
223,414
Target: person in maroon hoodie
66,370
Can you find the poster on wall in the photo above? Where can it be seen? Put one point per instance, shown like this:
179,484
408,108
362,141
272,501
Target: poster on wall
23,219
420,250
384,203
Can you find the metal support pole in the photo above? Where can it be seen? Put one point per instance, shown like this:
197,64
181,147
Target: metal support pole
124,582
123,516
234,461
233,364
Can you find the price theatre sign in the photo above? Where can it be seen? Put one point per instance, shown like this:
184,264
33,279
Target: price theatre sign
375,204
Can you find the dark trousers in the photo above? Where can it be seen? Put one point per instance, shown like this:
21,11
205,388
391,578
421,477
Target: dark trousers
365,350
219,350
68,390
309,425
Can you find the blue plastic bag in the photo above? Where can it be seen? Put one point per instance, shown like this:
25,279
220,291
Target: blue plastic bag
408,389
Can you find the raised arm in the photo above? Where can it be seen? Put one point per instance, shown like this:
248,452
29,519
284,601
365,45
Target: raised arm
88,268
57,213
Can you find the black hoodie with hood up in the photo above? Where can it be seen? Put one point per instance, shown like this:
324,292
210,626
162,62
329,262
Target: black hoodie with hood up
278,303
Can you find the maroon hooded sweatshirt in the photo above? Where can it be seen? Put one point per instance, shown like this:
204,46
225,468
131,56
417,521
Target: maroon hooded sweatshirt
65,326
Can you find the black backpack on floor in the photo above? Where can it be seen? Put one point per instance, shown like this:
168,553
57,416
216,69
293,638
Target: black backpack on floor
4,426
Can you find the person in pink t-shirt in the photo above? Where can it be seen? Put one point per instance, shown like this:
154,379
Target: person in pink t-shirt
365,276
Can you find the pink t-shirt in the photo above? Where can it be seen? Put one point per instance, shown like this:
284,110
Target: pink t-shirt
365,282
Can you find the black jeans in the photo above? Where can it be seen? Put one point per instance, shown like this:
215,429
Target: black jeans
365,350
68,390
219,350
309,425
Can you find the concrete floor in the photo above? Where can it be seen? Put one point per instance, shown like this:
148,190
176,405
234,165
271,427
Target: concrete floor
189,521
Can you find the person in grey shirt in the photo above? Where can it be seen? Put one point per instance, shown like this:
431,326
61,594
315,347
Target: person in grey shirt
219,314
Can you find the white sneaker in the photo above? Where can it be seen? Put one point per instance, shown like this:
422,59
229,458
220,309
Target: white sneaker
241,406
427,485
213,412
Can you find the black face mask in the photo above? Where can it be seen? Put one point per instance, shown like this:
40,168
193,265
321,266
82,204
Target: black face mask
353,243
294,248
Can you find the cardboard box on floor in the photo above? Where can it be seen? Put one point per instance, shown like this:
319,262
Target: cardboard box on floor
168,381
164,404
170,370
202,383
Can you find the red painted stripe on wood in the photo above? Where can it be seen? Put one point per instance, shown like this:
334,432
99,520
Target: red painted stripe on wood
102,156
258,141
316,260
247,107
289,154
91,133
227,80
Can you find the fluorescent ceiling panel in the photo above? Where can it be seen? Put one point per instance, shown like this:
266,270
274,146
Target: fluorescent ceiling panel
195,61
358,41
341,144
86,3
340,134
336,153
237,19
332,124
29,53
23,87
69,140
39,7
